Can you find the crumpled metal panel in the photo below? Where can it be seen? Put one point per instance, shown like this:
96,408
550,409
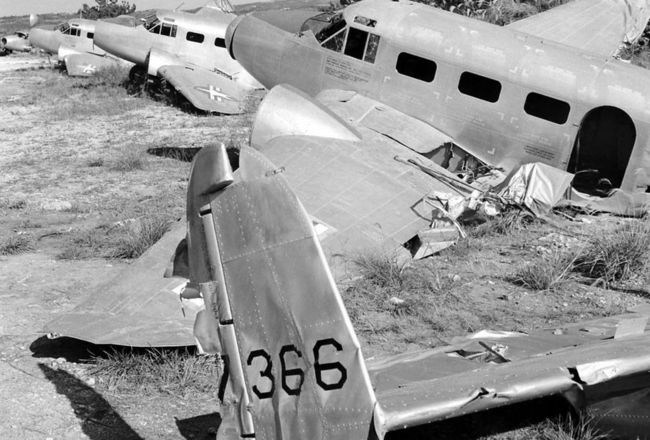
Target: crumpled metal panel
138,308
412,403
304,370
597,26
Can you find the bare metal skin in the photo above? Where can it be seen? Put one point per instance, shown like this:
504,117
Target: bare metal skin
595,109
186,49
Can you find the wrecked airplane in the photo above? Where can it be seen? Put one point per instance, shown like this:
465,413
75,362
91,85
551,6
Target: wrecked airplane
72,42
477,98
16,42
295,365
187,51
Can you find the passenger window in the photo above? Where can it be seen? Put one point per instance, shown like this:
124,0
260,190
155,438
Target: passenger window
90,35
194,37
168,30
479,87
371,50
220,42
335,43
356,43
547,108
416,67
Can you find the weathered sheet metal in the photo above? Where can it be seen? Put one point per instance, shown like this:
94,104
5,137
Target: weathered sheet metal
418,402
139,308
305,375
597,26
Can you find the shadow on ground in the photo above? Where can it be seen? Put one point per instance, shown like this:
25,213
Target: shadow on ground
99,421
72,350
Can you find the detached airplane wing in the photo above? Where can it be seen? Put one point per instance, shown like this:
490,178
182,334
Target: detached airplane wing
206,90
139,308
596,26
364,185
87,64
296,363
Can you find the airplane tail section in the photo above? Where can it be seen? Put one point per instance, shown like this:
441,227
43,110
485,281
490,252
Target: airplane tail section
294,361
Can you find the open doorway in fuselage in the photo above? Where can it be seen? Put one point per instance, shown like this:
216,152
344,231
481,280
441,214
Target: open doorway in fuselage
602,150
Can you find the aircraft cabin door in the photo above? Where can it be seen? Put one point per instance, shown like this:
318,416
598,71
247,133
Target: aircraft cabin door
602,150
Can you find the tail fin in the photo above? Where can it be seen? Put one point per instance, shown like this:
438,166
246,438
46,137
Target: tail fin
295,361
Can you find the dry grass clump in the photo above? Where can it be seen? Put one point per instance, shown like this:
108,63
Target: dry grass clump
405,302
171,371
122,240
569,428
15,244
509,222
140,237
129,160
617,256
548,273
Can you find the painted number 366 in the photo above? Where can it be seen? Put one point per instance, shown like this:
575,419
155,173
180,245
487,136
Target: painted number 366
265,388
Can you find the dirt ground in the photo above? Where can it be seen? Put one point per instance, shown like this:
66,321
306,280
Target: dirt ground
51,189
74,158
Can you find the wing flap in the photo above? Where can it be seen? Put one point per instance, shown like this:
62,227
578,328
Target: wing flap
206,90
596,26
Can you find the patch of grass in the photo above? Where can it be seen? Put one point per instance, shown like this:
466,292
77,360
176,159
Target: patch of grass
405,302
171,371
95,162
140,237
13,204
16,244
122,240
129,160
617,256
547,273
568,428
507,223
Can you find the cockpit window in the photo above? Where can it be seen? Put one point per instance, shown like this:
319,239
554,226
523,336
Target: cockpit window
356,43
323,26
168,30
66,29
152,24
336,41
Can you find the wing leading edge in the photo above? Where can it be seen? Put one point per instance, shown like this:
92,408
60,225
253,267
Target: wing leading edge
596,26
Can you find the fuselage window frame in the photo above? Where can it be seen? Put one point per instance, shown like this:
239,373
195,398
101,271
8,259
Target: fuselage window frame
479,87
417,67
168,30
547,108
194,37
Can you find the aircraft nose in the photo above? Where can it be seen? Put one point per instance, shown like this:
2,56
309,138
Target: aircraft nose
122,41
257,46
44,39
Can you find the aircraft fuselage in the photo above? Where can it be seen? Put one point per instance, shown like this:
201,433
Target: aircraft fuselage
173,38
506,97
